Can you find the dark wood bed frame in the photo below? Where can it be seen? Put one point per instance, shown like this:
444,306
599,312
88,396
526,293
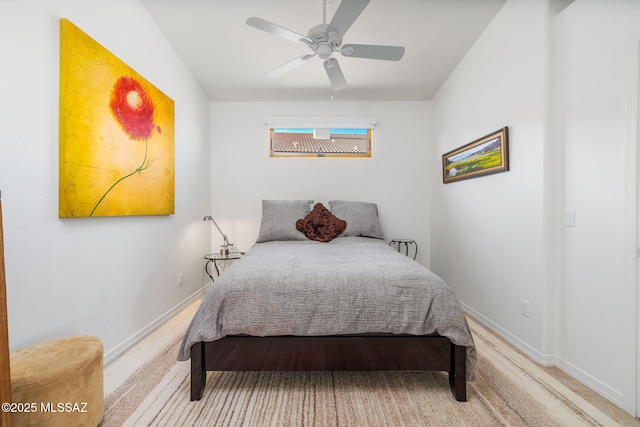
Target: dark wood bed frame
330,353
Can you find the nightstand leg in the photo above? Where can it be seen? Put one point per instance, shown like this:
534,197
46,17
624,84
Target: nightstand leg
206,268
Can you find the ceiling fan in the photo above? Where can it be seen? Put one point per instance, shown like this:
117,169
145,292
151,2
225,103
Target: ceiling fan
326,39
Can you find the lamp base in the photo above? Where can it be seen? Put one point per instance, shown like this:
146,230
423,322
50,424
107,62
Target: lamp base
224,251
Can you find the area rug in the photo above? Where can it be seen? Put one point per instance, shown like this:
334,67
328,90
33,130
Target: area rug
509,390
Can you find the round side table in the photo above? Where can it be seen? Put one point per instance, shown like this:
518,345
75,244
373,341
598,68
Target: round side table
214,258
407,244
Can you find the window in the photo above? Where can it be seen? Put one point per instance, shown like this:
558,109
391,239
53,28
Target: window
320,142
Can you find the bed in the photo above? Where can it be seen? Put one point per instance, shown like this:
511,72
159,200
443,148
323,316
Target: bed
327,298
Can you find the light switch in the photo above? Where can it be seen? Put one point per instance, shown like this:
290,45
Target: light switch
570,217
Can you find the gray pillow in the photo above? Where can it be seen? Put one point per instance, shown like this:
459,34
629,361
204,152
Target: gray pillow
279,219
361,218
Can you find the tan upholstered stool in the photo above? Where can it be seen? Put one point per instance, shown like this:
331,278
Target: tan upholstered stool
58,383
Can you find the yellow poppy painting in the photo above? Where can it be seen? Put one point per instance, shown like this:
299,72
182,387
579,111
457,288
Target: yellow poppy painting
116,135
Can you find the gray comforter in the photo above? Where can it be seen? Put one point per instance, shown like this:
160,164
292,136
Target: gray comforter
350,285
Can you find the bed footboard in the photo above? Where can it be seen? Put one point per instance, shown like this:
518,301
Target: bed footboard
330,353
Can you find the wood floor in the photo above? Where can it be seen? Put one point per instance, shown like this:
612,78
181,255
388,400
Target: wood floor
118,371
603,404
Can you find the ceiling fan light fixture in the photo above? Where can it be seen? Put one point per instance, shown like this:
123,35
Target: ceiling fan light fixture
324,51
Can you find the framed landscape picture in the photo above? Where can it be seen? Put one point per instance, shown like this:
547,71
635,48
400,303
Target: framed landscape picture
484,156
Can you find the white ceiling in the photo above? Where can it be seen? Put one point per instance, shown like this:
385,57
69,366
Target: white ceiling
230,59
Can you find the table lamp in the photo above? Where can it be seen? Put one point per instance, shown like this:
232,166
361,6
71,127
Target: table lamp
225,246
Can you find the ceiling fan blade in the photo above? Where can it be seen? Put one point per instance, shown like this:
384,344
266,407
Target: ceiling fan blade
345,16
277,30
372,51
289,65
334,72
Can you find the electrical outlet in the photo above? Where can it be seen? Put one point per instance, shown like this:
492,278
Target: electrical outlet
524,305
570,217
180,279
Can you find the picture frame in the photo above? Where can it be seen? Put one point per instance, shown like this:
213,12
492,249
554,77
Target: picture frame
484,156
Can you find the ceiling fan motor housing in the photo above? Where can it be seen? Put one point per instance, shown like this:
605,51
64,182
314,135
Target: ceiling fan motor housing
324,43
318,33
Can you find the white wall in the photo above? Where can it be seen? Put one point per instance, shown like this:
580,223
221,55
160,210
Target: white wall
561,85
597,316
487,232
396,177
108,277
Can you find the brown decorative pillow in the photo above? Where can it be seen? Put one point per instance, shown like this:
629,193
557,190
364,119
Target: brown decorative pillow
320,224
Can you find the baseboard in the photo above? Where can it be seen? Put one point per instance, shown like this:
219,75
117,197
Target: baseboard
535,355
599,387
548,360
134,339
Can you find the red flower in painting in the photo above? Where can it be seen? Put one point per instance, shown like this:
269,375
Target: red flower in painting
132,108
